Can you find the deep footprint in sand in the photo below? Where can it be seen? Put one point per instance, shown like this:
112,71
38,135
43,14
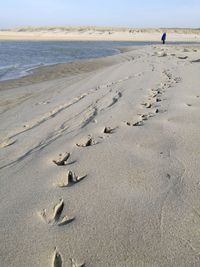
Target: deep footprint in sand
148,105
138,123
56,218
57,260
62,160
89,142
75,264
145,117
158,100
183,57
108,130
72,179
154,94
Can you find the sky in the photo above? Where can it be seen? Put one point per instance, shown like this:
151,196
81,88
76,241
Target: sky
122,13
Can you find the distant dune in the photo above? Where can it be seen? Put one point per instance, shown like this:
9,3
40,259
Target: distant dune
99,33
104,29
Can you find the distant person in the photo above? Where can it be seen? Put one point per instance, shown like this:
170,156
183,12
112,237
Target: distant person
164,36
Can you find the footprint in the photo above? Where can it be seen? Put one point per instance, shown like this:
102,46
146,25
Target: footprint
72,179
138,123
57,211
75,264
195,61
158,100
183,57
57,259
144,117
108,130
168,176
65,220
177,79
62,160
156,91
148,105
90,142
189,105
156,110
128,123
154,94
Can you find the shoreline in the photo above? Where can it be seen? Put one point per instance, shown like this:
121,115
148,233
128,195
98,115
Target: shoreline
61,70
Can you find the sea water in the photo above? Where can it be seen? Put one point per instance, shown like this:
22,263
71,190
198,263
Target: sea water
19,58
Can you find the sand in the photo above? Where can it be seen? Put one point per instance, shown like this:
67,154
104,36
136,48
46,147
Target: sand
99,34
102,166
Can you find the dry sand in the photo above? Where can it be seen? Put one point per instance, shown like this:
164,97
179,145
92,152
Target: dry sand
100,34
134,197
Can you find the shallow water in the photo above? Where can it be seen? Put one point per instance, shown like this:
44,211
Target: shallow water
19,58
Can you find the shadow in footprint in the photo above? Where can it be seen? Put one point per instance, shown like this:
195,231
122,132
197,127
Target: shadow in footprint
148,105
138,123
154,94
57,259
56,218
89,142
108,130
183,57
195,61
75,264
62,160
158,100
72,179
144,117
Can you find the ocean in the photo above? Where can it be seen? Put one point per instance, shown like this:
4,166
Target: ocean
19,58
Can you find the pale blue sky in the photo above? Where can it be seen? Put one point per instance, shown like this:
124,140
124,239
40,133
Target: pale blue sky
128,13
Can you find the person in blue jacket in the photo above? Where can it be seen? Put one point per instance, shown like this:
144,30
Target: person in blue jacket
164,36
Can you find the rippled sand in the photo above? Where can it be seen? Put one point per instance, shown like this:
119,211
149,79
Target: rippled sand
99,162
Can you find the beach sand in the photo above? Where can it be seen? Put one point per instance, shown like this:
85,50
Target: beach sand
99,34
128,193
